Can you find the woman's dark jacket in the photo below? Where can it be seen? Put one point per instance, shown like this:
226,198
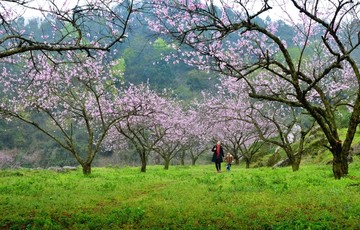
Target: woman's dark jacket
215,158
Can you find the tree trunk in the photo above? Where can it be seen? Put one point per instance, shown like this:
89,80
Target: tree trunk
86,168
143,162
340,161
295,164
182,161
143,167
193,161
339,167
237,160
182,158
166,164
296,158
247,164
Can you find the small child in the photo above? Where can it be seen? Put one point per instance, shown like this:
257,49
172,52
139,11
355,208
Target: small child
229,160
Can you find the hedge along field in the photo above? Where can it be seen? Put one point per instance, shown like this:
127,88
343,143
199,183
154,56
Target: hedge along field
182,197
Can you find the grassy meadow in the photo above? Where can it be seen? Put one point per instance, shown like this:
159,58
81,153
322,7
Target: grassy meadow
183,197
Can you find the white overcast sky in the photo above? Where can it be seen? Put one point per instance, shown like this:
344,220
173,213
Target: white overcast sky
279,7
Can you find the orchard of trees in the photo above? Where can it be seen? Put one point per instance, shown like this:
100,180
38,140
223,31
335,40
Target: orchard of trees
167,79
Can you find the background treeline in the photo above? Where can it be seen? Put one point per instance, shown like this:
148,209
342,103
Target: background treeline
142,60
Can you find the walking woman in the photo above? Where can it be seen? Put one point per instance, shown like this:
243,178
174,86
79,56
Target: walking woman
218,156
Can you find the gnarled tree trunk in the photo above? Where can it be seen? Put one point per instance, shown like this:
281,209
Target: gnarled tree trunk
340,160
86,168
295,164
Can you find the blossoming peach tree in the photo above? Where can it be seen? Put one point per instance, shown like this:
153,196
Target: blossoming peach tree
78,99
155,127
84,26
321,76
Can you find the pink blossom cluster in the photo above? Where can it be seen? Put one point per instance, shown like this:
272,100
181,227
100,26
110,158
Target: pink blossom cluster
237,46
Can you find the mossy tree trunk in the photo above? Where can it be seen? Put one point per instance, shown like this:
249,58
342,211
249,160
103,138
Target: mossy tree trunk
340,160
295,164
166,164
296,158
86,168
143,162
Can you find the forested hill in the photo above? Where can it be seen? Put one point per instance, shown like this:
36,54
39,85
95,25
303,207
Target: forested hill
143,54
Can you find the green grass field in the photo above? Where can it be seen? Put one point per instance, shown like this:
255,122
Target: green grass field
182,197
